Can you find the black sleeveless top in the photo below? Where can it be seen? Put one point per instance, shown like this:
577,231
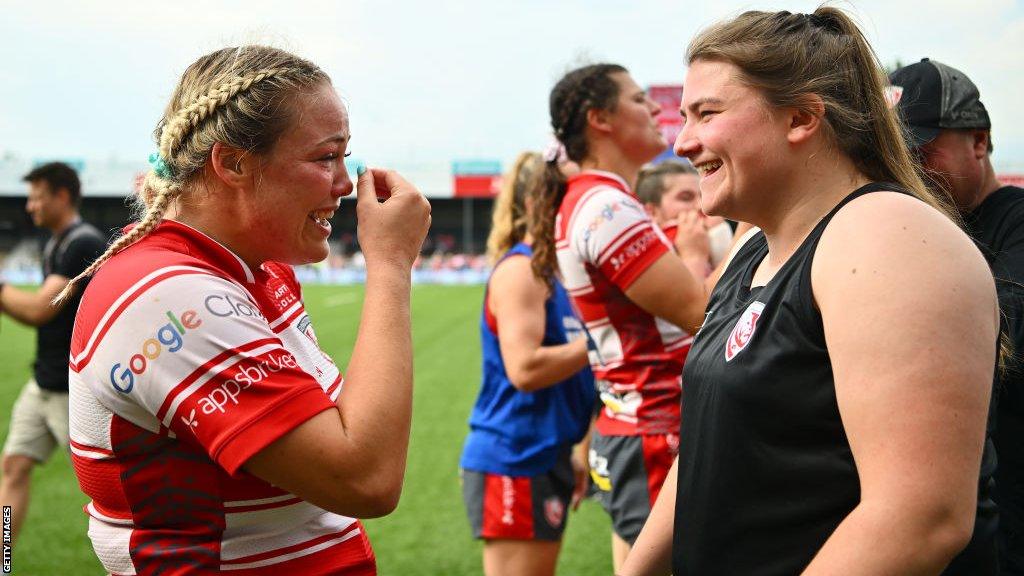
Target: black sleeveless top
765,469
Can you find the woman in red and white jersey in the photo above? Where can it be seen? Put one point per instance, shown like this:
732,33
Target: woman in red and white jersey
207,426
640,301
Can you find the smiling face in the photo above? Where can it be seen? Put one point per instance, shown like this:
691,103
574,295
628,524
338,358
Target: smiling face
298,184
733,138
633,122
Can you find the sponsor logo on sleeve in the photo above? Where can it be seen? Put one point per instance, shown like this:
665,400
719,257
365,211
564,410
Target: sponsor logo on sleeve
606,214
744,330
223,305
635,248
170,337
227,395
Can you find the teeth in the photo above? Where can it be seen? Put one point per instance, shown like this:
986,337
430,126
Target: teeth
705,167
322,216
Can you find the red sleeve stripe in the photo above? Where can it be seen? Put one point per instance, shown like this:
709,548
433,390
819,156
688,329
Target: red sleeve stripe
80,361
289,552
210,368
283,323
335,386
623,237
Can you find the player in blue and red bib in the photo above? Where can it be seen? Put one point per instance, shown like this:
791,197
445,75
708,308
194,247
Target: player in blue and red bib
520,475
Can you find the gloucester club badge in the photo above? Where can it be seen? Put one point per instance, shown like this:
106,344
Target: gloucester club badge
743,331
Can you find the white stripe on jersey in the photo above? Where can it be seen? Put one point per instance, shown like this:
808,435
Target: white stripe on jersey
298,553
608,251
245,533
258,501
213,371
91,509
286,315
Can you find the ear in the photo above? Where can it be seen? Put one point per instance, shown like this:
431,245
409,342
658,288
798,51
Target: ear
63,194
979,143
598,119
804,121
232,166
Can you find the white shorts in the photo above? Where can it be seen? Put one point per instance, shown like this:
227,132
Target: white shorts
39,423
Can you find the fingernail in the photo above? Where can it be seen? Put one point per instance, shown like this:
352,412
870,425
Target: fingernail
360,169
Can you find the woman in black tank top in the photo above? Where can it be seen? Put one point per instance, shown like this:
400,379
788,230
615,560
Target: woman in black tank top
835,399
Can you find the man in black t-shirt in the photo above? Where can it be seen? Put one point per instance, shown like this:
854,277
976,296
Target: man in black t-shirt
949,129
39,420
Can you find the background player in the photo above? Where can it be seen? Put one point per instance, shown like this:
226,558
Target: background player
636,296
536,399
39,420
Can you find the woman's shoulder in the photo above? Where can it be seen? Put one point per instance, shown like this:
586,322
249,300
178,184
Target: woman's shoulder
886,242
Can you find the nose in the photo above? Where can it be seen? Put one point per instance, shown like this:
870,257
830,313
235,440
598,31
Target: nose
654,106
686,144
342,183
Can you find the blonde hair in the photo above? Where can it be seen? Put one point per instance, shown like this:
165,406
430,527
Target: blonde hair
239,96
789,57
509,220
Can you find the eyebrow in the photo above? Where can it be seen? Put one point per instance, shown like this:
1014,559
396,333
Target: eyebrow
697,104
335,138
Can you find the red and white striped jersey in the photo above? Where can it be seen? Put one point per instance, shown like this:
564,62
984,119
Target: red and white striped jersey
185,362
605,241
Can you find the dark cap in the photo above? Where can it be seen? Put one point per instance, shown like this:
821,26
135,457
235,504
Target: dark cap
932,97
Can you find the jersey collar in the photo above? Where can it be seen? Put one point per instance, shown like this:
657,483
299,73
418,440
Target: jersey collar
208,249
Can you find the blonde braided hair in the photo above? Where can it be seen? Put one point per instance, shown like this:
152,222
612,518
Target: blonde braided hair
175,131
251,123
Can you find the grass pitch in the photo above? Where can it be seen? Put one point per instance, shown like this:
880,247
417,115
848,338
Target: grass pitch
427,535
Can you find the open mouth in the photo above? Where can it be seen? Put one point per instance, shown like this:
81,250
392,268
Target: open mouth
708,168
322,218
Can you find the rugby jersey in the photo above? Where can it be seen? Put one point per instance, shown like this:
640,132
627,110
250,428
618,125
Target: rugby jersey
604,241
515,433
185,362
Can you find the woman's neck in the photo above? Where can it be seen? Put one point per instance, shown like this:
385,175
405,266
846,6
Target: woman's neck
800,203
623,167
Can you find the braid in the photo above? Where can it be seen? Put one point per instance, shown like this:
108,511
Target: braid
578,92
547,200
161,192
175,131
253,122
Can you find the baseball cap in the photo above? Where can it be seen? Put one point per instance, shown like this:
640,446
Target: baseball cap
931,96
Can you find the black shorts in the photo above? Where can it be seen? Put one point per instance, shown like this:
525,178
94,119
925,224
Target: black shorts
519,507
628,472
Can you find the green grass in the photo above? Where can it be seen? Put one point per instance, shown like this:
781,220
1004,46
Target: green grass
428,534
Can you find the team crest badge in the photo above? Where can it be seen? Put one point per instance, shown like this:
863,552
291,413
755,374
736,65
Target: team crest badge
554,511
744,330
306,327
